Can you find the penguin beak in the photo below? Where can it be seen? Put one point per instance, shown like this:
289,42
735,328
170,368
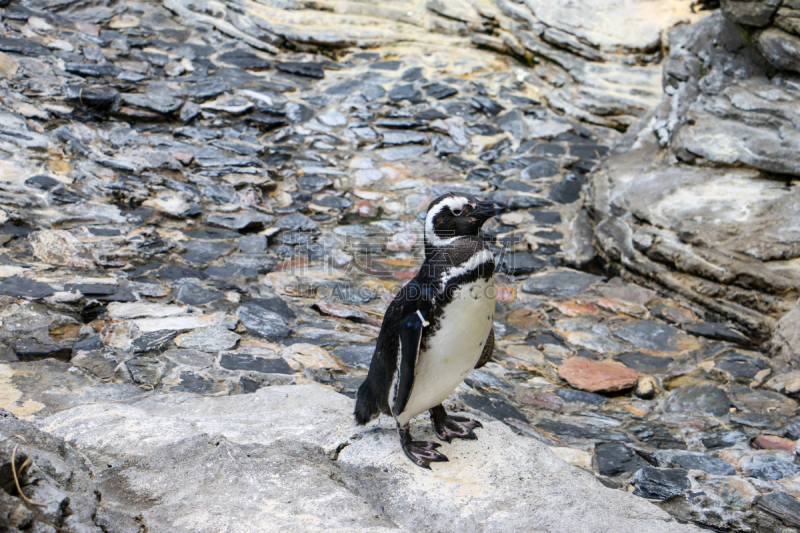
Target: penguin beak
486,210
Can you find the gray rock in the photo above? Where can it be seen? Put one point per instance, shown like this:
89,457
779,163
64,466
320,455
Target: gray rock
211,339
403,137
195,294
404,92
651,335
262,322
296,222
239,221
24,287
698,399
786,340
253,244
443,145
252,363
562,282
750,12
780,48
219,436
768,467
614,458
660,484
783,506
704,462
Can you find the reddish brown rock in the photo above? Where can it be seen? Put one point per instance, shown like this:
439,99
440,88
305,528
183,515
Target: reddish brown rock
597,376
773,442
543,400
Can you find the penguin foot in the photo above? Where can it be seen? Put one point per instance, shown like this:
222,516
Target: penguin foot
449,427
422,453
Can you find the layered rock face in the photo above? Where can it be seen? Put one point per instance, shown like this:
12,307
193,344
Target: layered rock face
701,198
205,208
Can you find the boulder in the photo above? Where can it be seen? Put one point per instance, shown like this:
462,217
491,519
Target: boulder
290,458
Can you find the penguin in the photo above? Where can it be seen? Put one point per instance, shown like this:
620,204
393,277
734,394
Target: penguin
437,329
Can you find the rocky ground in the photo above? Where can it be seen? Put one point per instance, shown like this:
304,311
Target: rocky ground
205,208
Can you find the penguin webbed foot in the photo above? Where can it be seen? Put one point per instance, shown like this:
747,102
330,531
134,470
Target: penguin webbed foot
421,452
449,427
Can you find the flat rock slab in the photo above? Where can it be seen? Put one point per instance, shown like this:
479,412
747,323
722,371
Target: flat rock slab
289,458
597,376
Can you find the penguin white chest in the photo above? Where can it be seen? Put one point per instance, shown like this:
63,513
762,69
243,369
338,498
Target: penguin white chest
453,349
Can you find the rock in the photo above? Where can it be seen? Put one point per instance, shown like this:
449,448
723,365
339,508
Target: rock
404,92
253,363
195,294
660,484
732,140
704,462
643,363
655,337
716,331
296,222
310,356
263,322
772,442
741,366
153,341
218,431
783,506
244,59
646,387
562,282
211,339
580,396
597,376
768,467
182,323
723,439
308,69
614,458
787,383
543,400
749,13
786,339
699,399
567,190
440,91
516,263
26,288
403,137
60,248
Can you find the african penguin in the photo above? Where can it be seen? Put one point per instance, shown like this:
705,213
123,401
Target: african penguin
437,329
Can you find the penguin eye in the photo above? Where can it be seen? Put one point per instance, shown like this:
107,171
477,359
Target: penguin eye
456,212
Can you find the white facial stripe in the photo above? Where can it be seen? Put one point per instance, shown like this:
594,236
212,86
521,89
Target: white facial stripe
453,203
474,262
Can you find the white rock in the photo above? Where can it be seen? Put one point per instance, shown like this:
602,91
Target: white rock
180,323
333,118
268,462
144,309
213,339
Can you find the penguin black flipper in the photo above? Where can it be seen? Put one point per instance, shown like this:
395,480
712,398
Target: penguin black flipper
488,350
410,338
395,353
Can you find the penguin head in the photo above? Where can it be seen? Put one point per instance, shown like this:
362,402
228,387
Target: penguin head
454,215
